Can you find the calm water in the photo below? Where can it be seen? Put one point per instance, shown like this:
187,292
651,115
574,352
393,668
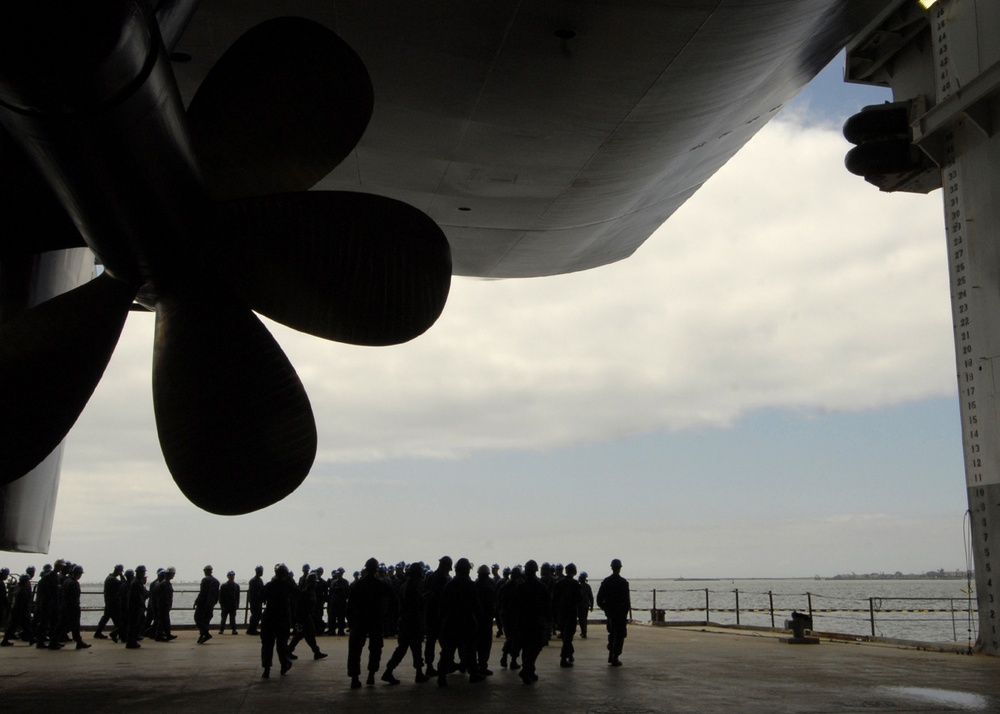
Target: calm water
840,606
903,609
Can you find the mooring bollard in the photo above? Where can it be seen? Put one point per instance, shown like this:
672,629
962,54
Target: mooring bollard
798,625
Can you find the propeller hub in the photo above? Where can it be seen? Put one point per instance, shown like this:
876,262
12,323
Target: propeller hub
94,103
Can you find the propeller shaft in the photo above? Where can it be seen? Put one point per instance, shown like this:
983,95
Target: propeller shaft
90,95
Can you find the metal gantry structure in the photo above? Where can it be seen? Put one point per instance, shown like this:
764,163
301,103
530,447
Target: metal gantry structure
942,62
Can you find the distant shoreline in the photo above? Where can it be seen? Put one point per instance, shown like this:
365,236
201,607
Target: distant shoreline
930,575
933,575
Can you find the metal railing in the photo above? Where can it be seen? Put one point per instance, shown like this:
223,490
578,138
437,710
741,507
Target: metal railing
925,619
930,619
182,612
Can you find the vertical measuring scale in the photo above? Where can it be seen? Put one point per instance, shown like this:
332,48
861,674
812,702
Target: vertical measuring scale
970,172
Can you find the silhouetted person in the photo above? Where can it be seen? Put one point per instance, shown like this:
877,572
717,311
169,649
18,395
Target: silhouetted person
366,605
460,618
46,615
255,599
433,586
566,598
153,605
586,603
322,596
498,582
305,618
229,602
388,576
69,608
4,595
112,610
135,608
531,605
60,632
548,578
204,604
337,607
165,603
487,594
20,612
410,630
508,615
614,598
276,621
123,590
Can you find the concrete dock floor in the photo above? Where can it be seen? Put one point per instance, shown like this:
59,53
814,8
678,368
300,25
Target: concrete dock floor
665,670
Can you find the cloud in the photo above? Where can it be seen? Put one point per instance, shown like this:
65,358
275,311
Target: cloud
785,283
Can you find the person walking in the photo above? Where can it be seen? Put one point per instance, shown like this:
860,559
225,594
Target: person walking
532,612
366,604
204,604
46,615
112,612
255,599
433,587
305,618
69,608
278,597
614,598
135,608
566,598
20,613
460,618
229,602
410,631
487,592
337,606
4,602
508,615
153,604
586,603
165,603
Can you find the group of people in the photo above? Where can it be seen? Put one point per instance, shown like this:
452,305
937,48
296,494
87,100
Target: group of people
47,614
444,622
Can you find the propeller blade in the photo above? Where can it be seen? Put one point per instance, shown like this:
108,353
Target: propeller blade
51,359
280,110
350,267
234,421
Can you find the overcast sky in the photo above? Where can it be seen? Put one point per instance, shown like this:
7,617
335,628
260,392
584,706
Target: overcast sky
765,389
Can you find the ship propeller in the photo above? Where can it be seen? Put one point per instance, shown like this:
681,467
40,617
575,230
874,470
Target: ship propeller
281,108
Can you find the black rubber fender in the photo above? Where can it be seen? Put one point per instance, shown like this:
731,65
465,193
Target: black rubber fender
879,121
893,156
